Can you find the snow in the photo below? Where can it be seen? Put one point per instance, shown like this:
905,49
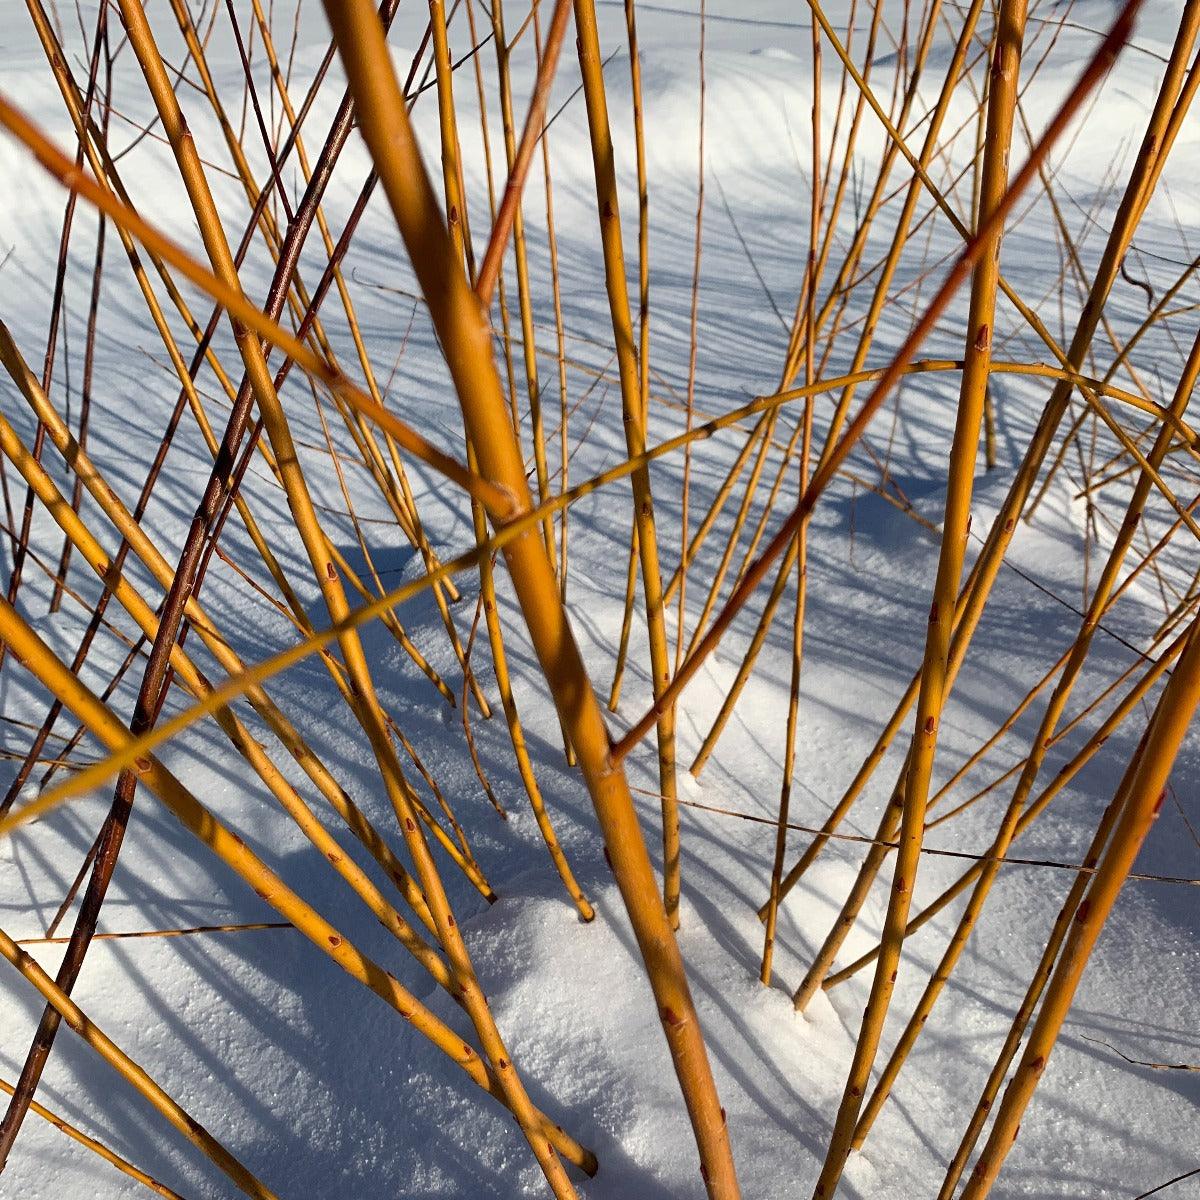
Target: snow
308,1078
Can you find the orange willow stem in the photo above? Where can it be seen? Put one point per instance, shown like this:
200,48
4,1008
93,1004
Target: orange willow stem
521,259
239,308
133,1074
1141,793
485,138
484,285
639,143
693,348
560,335
789,760
1168,106
367,709
458,226
1042,739
634,418
97,1148
1010,35
395,487
809,349
1091,76
235,854
534,131
466,340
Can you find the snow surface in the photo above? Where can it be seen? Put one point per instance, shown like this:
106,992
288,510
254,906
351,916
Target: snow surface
313,1082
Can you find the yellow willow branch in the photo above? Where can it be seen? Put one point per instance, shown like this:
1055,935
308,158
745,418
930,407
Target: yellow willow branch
484,286
1042,740
1009,40
463,331
634,421
240,308
97,1148
37,657
1091,76
133,1074
489,269
1141,796
247,679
